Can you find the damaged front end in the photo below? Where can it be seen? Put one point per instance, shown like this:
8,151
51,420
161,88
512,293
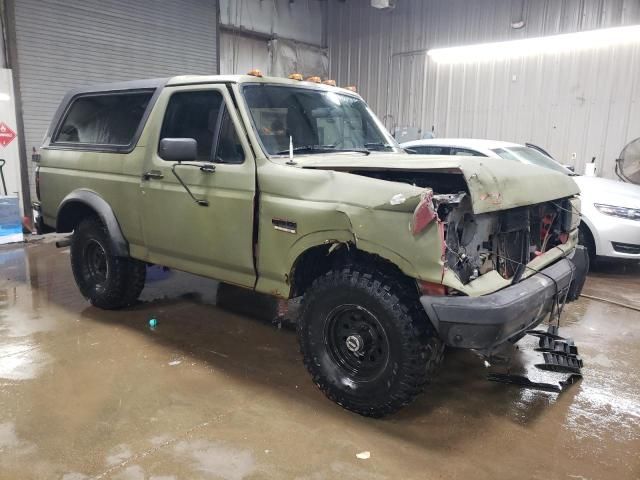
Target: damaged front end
504,241
492,249
488,240
511,252
507,261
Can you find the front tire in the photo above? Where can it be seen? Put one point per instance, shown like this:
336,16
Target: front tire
585,238
366,343
106,280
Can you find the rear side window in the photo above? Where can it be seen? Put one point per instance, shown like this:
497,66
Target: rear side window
431,150
466,152
110,119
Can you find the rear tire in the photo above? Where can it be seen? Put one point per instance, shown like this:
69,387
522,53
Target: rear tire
368,346
106,280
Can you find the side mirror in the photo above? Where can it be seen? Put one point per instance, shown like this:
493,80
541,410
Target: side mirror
178,149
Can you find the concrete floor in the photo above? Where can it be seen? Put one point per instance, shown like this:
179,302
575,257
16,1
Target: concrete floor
211,393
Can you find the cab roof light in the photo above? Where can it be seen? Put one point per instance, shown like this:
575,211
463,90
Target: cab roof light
314,79
351,88
330,82
255,73
296,76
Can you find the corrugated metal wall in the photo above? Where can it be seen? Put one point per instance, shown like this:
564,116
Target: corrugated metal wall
276,36
300,20
583,103
64,44
241,53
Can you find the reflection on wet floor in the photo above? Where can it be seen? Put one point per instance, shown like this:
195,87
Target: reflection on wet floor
217,390
616,281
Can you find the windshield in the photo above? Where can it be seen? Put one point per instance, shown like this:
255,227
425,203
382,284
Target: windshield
531,157
318,121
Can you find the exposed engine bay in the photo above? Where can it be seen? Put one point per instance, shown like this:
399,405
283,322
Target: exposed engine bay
505,241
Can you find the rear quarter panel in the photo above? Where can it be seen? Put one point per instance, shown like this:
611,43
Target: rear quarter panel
113,176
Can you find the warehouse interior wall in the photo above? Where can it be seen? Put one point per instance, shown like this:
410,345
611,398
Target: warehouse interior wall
276,36
577,105
57,46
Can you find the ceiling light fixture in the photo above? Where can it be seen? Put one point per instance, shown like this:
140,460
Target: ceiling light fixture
552,44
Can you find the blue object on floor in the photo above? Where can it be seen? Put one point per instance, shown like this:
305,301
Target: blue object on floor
10,220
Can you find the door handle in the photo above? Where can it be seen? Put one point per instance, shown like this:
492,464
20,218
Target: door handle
152,175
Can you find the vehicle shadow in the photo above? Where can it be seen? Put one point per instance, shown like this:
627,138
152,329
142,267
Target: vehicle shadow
239,334
605,266
233,330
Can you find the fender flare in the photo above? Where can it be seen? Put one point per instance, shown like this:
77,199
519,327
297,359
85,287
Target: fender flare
93,201
317,239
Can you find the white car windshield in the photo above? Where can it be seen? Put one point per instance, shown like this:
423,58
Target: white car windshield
531,157
318,121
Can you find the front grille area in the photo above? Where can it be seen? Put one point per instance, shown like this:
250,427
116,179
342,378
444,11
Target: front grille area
626,248
507,240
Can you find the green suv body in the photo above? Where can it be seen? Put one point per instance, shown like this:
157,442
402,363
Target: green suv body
293,189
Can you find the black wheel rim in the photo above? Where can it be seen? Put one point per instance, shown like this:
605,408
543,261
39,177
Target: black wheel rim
95,262
357,342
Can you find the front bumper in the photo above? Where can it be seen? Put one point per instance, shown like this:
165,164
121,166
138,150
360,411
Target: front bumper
484,323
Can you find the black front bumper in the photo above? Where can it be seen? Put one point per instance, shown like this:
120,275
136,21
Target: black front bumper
484,323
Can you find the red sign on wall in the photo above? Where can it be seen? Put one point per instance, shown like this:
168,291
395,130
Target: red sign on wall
6,134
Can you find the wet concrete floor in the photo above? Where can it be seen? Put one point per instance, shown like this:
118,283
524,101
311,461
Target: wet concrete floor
212,393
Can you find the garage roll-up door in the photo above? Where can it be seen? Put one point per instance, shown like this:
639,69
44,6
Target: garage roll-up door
68,43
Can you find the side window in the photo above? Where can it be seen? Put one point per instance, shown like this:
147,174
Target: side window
104,119
432,150
194,115
465,151
229,147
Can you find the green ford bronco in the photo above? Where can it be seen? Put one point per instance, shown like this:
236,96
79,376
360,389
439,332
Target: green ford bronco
295,189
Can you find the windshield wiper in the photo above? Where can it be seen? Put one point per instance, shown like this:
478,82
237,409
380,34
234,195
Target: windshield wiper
321,149
358,150
307,148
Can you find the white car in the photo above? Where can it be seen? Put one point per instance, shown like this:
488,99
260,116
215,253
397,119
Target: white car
610,209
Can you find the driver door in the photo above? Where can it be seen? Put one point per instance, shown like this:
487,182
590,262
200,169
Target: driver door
214,240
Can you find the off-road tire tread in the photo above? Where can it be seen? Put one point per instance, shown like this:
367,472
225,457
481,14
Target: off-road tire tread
418,336
128,274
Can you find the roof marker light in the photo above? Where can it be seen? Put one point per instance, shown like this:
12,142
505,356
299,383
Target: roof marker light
296,76
255,73
351,88
330,82
553,44
314,79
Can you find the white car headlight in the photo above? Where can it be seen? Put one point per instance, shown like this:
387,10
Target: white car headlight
622,212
